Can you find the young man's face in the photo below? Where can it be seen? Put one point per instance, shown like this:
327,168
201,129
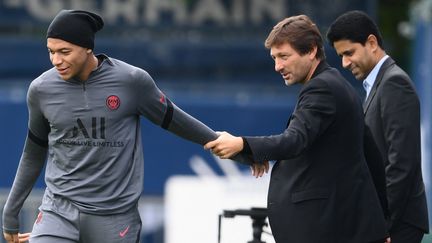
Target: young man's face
293,67
355,57
70,60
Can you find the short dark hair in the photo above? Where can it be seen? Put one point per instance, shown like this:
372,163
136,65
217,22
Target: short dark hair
354,26
300,32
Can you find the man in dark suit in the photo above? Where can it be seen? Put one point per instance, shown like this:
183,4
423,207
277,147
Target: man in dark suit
320,188
392,118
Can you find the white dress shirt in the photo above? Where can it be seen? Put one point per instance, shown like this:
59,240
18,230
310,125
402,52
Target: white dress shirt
370,79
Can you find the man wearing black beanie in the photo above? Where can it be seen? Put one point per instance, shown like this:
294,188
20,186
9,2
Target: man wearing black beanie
75,26
84,121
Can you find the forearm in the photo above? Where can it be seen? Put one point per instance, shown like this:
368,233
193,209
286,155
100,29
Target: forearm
402,165
400,181
276,147
29,169
159,109
189,128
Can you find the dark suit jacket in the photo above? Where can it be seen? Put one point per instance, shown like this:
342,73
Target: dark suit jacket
320,187
392,119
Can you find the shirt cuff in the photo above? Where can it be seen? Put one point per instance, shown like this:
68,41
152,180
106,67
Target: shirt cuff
246,148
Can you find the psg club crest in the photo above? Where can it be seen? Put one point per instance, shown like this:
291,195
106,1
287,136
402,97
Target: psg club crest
113,102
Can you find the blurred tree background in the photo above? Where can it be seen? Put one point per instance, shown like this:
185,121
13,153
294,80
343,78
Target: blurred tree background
392,16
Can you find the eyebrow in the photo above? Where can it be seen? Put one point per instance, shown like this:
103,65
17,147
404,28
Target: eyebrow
280,54
346,52
59,50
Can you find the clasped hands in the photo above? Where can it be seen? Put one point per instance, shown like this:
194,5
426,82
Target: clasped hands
226,146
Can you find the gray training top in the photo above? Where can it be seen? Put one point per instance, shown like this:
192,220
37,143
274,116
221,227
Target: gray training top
89,134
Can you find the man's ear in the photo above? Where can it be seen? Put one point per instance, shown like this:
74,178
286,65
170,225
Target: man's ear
313,52
373,42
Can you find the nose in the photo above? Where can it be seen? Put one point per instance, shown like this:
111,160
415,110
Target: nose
56,59
278,66
346,62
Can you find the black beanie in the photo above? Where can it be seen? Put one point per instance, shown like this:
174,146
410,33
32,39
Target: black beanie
75,26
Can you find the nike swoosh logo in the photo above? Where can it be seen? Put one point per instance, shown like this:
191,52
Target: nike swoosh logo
39,218
124,232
